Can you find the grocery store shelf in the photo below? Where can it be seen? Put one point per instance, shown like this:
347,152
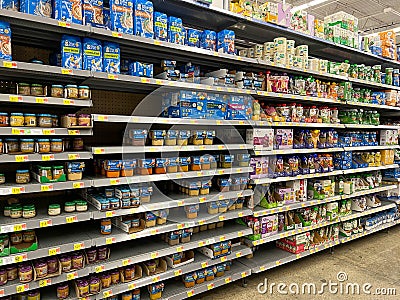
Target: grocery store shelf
98,182
293,124
281,179
364,126
285,234
397,201
161,201
369,191
14,189
354,215
134,252
391,179
295,151
286,96
22,131
10,158
42,219
269,258
160,149
201,261
361,82
362,148
13,99
370,169
177,290
261,211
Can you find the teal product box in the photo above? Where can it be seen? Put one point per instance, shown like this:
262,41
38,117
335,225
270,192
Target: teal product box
111,58
141,69
36,7
192,108
175,29
106,18
92,55
10,4
121,18
71,52
68,10
5,37
216,109
160,26
93,12
193,37
226,41
208,40
143,18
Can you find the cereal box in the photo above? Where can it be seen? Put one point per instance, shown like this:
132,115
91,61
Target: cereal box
71,52
68,10
111,58
193,37
93,12
160,26
5,40
175,29
208,40
36,7
121,19
92,55
143,18
226,41
10,4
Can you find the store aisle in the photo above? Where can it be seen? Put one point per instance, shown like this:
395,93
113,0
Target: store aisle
374,259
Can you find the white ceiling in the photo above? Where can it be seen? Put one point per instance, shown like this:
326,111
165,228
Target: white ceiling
370,13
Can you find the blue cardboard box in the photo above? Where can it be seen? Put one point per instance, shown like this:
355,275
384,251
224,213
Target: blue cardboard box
106,18
160,26
175,29
71,52
92,55
93,12
193,37
141,69
111,58
192,108
208,40
5,38
121,18
68,10
226,41
10,4
37,7
143,18
216,107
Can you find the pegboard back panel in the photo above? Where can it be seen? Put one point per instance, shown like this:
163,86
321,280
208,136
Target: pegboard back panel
25,54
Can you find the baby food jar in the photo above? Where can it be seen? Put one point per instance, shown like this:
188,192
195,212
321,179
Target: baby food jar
44,145
197,137
13,145
52,265
29,236
105,227
40,269
170,138
77,144
30,120
138,137
16,212
22,177
77,261
37,90
45,120
58,171
12,273
57,91
83,92
157,137
72,91
28,211
24,89
27,145
81,206
4,122
183,137
66,263
69,207
25,273
17,119
54,210
63,291
56,145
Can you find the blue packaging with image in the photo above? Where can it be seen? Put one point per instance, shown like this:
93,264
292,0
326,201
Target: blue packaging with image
121,18
193,37
208,40
216,110
10,4
174,29
92,55
141,69
111,58
106,17
68,11
71,52
93,12
193,108
226,41
5,37
160,26
36,7
143,18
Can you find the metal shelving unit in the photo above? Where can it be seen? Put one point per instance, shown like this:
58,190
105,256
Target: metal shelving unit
370,211
24,131
11,158
12,99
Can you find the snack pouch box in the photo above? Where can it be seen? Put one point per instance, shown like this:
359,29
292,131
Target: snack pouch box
37,7
10,4
5,39
216,107
121,18
143,18
208,40
68,10
160,26
93,12
192,105
226,41
193,37
175,29
71,52
111,58
92,55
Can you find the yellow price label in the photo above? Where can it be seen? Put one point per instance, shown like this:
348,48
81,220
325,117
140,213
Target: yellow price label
47,157
190,293
126,262
99,269
45,223
158,82
179,249
238,254
221,218
107,294
21,158
99,151
240,214
54,251
202,222
178,272
46,188
220,172
14,98
67,102
240,233
180,226
78,246
131,286
44,282
243,274
41,100
19,227
298,256
156,279
228,280
67,71
18,259
73,132
210,286
181,203
110,240
202,199
73,156
9,64
154,255
15,131
262,268
114,181
223,259
78,185
201,244
204,264
116,34
112,76
222,238
64,24
72,275
157,43
145,80
278,262
70,219
110,214
21,288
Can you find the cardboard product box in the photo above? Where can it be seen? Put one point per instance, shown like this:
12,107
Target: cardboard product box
121,19
143,13
269,225
188,258
41,8
93,12
260,138
387,157
284,14
310,24
299,186
71,52
111,58
161,267
332,210
92,55
67,10
160,26
216,109
283,139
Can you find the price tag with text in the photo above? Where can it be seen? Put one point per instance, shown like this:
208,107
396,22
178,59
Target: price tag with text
44,282
73,156
72,275
99,269
10,64
156,278
71,219
107,294
17,190
154,255
116,34
110,240
78,185
19,227
46,187
54,251
21,158
210,286
228,280
15,98
64,24
19,258
45,223
178,272
79,246
190,293
22,288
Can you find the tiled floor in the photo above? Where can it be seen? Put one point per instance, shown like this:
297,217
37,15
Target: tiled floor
374,259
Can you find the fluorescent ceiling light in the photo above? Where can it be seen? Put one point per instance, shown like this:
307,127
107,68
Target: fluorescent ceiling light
308,5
